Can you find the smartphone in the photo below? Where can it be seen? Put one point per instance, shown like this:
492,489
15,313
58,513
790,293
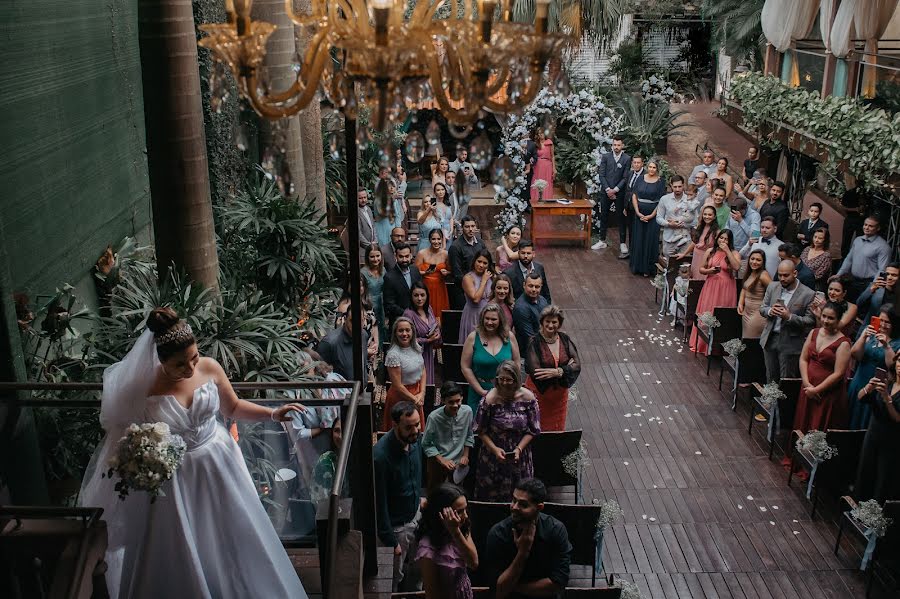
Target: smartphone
881,374
510,455
755,233
875,323
882,275
434,201
431,269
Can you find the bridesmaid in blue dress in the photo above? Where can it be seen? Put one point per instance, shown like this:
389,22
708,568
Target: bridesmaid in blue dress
373,272
644,229
388,211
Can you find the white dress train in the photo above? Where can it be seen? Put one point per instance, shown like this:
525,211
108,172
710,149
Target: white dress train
209,536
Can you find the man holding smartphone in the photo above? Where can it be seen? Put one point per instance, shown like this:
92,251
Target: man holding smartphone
882,290
786,307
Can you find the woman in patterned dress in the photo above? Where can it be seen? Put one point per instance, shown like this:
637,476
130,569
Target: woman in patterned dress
817,257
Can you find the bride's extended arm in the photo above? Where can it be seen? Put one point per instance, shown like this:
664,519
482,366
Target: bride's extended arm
232,406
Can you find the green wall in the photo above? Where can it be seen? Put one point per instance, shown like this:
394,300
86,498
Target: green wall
72,149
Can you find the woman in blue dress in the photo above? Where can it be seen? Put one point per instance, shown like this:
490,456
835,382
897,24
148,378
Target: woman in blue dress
644,229
872,350
388,210
434,215
373,273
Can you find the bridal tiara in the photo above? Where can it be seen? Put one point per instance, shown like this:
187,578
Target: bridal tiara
179,333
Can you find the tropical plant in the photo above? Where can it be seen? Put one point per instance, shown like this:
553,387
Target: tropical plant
594,20
648,122
335,163
628,63
737,25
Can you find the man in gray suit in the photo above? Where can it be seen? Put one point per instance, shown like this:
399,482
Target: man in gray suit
613,176
367,236
789,320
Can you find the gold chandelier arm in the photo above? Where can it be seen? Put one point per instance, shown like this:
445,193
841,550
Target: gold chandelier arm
450,113
313,63
432,10
534,86
498,83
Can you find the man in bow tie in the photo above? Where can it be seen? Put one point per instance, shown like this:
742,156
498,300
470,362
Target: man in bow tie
765,240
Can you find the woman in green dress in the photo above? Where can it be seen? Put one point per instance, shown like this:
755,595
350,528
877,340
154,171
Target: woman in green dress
484,350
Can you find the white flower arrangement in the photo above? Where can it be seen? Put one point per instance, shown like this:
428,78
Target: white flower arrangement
629,589
733,347
815,444
771,394
871,515
610,511
708,320
657,89
146,457
539,184
583,109
659,281
574,463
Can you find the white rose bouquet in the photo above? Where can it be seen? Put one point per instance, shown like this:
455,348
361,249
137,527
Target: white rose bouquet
657,89
146,457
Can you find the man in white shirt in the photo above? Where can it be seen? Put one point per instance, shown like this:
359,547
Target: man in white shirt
462,155
708,166
768,243
676,215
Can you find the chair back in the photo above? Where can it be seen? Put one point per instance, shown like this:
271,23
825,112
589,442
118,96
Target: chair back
695,286
450,326
451,353
889,544
751,363
787,407
730,328
593,593
839,472
548,450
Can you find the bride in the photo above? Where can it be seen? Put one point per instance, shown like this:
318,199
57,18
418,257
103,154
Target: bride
209,536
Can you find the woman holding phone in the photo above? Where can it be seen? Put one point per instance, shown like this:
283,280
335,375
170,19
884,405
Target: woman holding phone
837,294
720,289
426,327
878,474
432,216
508,419
433,263
875,348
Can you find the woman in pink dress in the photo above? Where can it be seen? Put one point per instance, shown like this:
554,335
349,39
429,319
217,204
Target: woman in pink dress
545,167
720,289
702,239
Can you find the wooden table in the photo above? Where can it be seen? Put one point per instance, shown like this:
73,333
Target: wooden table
543,212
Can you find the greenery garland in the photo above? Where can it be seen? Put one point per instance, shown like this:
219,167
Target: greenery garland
867,138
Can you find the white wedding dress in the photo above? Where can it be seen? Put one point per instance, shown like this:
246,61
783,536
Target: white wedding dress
209,536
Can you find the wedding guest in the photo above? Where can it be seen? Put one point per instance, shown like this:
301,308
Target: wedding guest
790,251
528,554
869,255
752,162
720,289
336,349
466,181
768,242
448,436
723,210
433,215
507,420
613,174
645,230
742,221
445,215
433,263
387,211
373,273
488,346
477,288
882,290
676,215
777,207
624,212
702,238
527,310
727,181
446,550
439,170
824,361
836,293
524,266
552,364
452,200
366,224
786,307
462,251
397,458
461,161
545,166
701,180
508,250
875,348
398,238
811,224
502,295
758,193
406,371
878,473
370,326
756,281
708,166
817,257
397,283
426,327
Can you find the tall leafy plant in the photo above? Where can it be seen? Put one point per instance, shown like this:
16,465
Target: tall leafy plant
737,26
648,122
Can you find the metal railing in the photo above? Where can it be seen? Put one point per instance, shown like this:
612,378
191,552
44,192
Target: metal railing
349,419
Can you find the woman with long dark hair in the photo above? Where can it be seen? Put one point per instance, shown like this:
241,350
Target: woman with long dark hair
446,550
426,326
644,229
476,285
753,291
878,474
702,238
874,348
720,289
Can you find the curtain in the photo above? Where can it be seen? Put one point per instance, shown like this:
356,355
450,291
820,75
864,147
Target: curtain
784,21
826,14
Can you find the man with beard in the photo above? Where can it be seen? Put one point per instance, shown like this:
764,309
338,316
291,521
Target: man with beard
523,267
528,553
398,479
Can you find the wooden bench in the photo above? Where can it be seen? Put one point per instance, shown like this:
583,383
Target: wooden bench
541,212
838,473
887,548
548,451
786,408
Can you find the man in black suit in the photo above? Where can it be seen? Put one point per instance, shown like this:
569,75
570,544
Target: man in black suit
397,283
398,238
625,216
525,265
613,177
811,224
462,252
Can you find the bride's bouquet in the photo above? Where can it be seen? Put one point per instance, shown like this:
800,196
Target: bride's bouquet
145,458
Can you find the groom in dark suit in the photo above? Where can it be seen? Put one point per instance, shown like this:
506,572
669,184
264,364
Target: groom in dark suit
613,178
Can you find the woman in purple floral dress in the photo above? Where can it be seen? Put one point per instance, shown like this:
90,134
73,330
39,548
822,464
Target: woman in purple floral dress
445,548
508,419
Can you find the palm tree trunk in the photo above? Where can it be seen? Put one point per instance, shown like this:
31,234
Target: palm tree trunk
311,128
176,145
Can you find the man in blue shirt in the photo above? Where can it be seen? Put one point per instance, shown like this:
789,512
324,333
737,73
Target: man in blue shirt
398,479
868,257
448,438
527,310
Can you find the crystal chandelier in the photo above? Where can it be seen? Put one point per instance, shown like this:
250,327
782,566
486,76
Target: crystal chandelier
460,55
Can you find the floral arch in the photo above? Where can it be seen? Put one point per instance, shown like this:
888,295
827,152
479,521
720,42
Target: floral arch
585,110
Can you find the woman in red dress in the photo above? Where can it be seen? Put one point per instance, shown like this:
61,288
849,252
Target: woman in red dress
552,364
545,167
433,262
720,289
823,370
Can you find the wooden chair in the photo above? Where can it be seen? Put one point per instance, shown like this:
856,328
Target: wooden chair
887,548
836,474
548,450
452,366
786,409
450,326
749,367
730,328
690,316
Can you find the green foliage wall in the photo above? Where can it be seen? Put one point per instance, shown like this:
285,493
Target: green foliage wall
72,160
